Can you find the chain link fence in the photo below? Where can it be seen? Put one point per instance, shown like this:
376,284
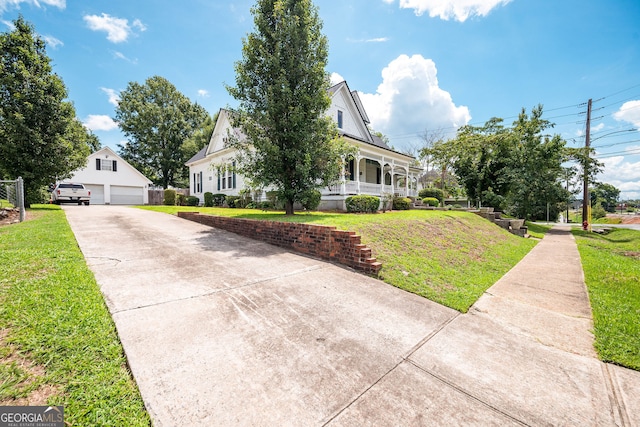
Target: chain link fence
12,197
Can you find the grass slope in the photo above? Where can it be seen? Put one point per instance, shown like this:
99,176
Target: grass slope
449,257
611,266
57,334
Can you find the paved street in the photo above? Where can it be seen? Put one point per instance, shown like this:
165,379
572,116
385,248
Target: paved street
224,330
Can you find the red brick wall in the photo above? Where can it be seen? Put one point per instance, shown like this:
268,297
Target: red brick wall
321,241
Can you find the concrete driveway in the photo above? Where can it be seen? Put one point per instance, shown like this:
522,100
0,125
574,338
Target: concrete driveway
223,330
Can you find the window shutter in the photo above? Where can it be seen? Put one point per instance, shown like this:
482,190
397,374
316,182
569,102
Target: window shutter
218,180
115,166
97,164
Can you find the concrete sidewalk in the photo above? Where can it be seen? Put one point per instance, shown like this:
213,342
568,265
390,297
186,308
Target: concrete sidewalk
223,330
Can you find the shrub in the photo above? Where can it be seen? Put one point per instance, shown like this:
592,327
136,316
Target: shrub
219,199
432,192
401,203
310,200
387,199
362,203
193,201
231,201
169,197
266,205
598,211
273,197
244,198
181,199
431,201
208,199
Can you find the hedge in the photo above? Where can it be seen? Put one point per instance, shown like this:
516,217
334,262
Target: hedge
362,203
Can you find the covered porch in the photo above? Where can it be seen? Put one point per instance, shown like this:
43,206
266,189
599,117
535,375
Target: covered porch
376,175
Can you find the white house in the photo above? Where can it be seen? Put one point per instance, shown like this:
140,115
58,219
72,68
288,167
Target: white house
375,170
112,180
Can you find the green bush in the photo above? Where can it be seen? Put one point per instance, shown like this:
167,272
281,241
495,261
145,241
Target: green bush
181,199
401,203
266,205
193,201
219,199
231,201
169,197
208,199
432,192
244,198
310,200
362,203
274,198
598,212
431,201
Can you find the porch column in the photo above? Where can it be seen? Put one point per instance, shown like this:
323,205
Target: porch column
382,176
393,175
406,182
343,183
357,172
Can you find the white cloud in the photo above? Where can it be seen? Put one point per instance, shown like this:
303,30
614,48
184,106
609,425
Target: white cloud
336,78
114,98
100,122
121,55
6,4
624,175
598,127
203,93
409,101
53,42
118,29
8,23
459,10
629,112
373,40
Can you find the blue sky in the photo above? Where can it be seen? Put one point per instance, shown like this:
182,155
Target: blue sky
418,64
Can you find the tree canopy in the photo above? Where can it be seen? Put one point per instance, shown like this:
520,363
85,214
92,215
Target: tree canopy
40,137
282,88
518,170
605,195
157,120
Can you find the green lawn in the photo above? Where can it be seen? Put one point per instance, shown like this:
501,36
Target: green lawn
611,266
449,257
57,337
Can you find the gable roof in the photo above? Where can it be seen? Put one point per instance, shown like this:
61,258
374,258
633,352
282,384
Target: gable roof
355,105
199,155
110,152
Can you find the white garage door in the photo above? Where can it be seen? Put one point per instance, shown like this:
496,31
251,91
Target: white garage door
121,195
97,194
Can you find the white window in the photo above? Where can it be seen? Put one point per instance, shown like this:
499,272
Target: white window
339,119
106,165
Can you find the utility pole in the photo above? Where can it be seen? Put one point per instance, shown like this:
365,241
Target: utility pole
585,198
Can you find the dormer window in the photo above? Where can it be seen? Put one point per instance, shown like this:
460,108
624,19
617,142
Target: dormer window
339,119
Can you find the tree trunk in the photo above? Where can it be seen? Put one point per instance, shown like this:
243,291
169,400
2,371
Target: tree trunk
288,207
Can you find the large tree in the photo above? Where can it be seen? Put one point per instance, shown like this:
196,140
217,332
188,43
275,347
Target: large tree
40,136
606,195
517,170
282,87
157,120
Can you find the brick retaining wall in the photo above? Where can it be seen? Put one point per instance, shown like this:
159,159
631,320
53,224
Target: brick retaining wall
322,241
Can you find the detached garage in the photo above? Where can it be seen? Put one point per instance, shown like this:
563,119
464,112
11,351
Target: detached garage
112,181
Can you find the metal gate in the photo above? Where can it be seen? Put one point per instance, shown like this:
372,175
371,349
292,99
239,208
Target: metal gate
12,196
